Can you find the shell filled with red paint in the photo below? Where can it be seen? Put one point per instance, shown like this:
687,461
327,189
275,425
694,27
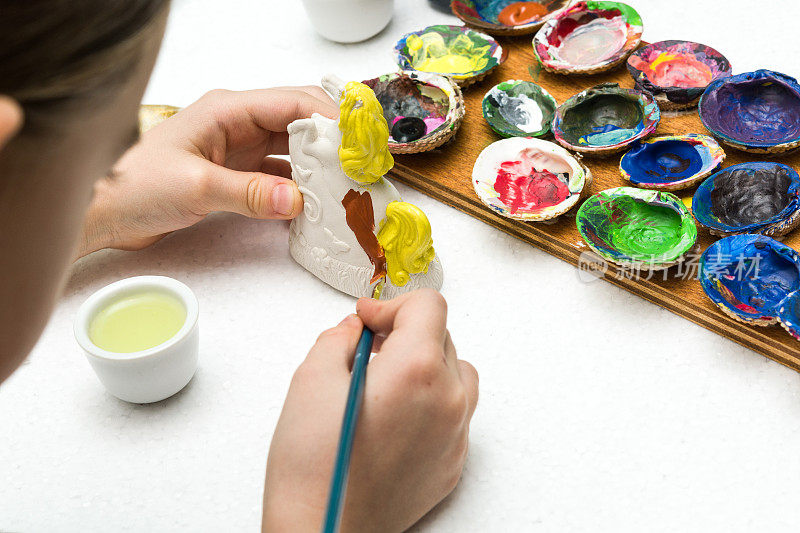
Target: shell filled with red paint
528,179
588,37
677,72
506,17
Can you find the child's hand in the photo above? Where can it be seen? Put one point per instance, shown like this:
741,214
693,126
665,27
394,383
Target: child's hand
211,156
412,433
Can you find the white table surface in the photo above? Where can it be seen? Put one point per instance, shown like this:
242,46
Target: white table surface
598,411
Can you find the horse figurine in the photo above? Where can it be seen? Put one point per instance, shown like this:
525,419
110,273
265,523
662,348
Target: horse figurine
355,232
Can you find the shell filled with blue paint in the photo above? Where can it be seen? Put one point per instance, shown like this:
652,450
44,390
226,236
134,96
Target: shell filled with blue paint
671,162
757,112
762,197
605,119
750,278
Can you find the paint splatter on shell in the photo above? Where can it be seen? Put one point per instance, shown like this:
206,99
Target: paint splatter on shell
638,228
463,54
749,277
506,17
789,314
433,100
760,197
677,72
588,37
671,162
605,119
757,112
518,108
528,179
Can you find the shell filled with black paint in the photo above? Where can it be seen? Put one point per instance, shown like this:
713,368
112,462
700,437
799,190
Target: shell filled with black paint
518,108
761,197
757,112
422,110
605,119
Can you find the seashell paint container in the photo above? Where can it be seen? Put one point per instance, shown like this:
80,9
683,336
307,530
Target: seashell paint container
749,198
637,228
529,179
518,108
423,110
605,119
506,17
757,112
462,54
671,162
588,37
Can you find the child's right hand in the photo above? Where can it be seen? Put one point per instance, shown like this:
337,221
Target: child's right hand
412,435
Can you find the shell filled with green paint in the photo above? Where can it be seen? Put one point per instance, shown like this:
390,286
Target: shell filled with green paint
518,108
605,119
643,229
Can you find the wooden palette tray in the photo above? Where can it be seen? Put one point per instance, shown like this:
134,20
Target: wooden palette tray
446,174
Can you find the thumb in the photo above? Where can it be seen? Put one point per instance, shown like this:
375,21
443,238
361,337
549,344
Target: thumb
253,194
336,347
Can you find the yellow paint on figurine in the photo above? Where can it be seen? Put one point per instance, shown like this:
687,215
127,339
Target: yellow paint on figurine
364,152
405,235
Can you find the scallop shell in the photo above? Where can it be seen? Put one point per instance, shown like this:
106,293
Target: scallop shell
151,116
506,17
605,119
749,198
637,228
671,162
750,277
434,99
757,112
676,72
476,52
529,179
518,108
588,37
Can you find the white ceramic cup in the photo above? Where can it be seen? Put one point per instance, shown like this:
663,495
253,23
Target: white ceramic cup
349,21
149,375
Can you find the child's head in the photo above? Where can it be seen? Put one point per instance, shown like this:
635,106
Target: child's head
72,73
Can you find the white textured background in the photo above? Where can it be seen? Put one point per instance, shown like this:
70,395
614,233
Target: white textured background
598,410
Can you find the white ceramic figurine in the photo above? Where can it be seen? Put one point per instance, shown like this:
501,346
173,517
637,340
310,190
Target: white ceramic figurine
354,230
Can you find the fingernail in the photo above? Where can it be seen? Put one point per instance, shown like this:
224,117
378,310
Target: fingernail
282,199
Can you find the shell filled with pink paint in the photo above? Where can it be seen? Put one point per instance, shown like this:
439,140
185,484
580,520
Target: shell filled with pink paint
423,110
588,37
677,72
528,179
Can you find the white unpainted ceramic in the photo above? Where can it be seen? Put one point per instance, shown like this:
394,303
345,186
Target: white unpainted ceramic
349,21
320,240
149,375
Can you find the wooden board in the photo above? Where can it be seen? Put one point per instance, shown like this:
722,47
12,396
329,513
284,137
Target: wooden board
446,174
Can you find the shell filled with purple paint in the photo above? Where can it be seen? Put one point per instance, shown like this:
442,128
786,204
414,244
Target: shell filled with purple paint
423,110
757,112
677,72
588,37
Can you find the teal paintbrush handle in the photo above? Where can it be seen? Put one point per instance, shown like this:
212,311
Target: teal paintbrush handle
341,467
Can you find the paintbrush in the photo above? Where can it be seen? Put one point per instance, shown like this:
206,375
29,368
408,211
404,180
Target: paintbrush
341,467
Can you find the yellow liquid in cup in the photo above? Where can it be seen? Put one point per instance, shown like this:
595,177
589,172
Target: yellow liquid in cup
137,322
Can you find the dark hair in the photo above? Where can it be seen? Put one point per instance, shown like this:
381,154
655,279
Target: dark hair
56,52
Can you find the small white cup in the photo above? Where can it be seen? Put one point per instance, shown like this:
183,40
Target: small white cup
349,21
149,375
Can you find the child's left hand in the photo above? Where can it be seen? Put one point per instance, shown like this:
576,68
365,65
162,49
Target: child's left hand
211,156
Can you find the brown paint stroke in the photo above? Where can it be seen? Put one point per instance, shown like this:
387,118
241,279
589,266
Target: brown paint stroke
360,217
